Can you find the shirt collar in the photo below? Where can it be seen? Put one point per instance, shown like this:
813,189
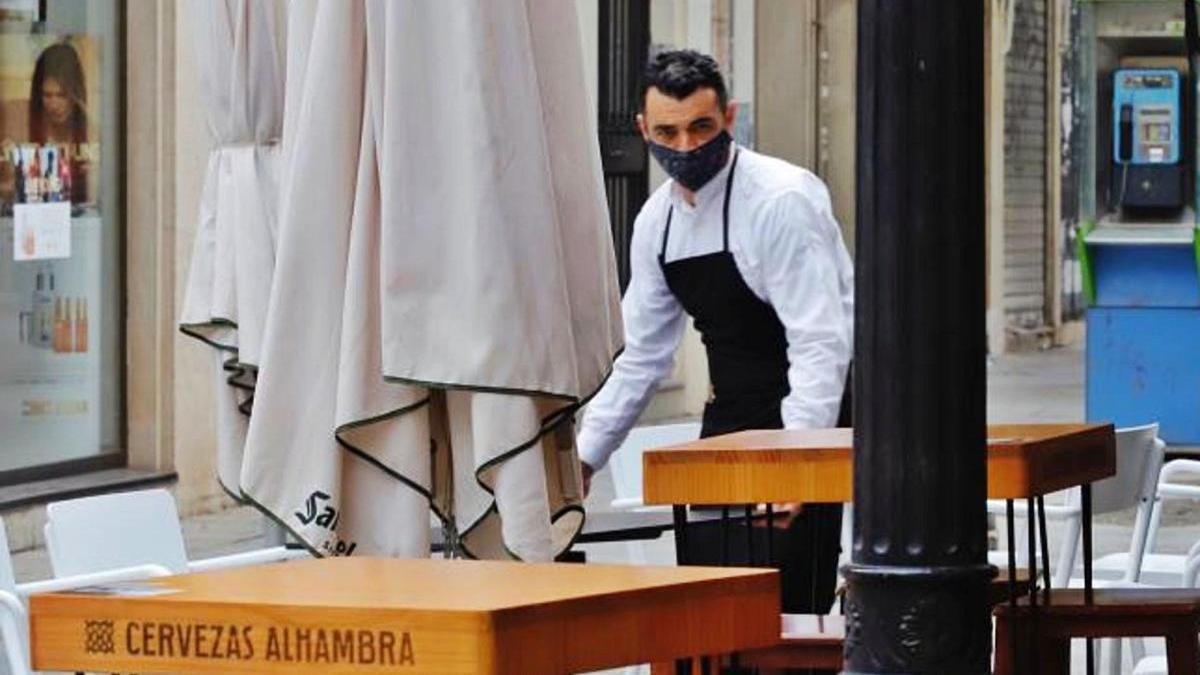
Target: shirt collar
710,190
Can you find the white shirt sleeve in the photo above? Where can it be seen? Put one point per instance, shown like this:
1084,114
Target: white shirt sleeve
654,323
804,268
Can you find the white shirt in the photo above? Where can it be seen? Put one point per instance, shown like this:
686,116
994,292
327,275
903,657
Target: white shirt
788,249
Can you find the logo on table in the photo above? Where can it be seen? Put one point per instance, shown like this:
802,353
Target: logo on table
98,637
273,643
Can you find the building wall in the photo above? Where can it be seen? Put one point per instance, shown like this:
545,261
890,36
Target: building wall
837,45
170,376
1025,166
995,67
195,440
786,64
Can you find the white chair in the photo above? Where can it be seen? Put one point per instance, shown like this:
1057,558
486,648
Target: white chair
14,619
1169,569
625,464
1139,455
123,529
1165,569
1151,665
1157,664
1139,465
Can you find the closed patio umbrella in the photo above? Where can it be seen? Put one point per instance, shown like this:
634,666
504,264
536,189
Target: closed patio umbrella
445,293
240,50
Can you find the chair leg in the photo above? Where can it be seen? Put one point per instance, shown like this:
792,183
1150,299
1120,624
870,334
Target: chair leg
1183,653
1113,653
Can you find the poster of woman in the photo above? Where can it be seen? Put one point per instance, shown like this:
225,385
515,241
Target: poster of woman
49,143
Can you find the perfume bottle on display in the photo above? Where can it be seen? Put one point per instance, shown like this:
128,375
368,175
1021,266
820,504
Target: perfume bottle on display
33,182
81,325
43,307
64,174
62,326
35,313
51,177
18,177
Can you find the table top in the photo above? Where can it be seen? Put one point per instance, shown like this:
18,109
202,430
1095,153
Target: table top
421,616
817,465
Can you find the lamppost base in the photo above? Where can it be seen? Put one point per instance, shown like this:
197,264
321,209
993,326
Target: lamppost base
923,620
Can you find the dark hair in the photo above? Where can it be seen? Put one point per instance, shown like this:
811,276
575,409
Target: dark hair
60,62
680,72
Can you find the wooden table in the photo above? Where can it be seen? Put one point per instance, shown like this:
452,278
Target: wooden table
816,466
348,615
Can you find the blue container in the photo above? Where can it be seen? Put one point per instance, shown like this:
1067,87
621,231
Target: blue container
1143,339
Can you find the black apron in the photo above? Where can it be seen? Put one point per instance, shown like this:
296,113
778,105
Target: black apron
748,366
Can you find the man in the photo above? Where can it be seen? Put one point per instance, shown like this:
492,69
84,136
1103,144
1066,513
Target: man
748,247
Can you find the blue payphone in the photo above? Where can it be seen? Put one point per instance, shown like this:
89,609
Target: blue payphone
1141,263
1147,139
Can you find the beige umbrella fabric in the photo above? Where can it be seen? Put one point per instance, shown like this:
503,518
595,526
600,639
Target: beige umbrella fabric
239,44
444,295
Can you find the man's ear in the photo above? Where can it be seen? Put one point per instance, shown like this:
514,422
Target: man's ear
641,124
731,115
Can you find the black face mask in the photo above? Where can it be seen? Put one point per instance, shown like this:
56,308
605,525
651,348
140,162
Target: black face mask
695,167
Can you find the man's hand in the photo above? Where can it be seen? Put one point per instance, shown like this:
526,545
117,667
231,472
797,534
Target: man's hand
587,477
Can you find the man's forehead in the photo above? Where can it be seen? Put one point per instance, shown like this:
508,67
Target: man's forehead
665,109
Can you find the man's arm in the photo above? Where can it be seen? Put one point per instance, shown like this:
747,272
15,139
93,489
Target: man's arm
805,277
654,324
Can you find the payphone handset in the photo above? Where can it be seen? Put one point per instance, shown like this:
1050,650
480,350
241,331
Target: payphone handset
1146,116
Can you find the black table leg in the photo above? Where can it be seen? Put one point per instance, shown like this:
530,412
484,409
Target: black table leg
679,511
724,536
1010,515
749,535
770,535
1085,503
1045,541
1031,549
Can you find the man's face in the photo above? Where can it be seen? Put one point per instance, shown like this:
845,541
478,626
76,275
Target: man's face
684,124
55,101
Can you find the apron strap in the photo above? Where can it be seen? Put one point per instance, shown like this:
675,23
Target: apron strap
725,206
662,255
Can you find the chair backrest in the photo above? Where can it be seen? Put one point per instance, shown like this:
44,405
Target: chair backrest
13,626
626,462
1139,459
111,531
8,579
